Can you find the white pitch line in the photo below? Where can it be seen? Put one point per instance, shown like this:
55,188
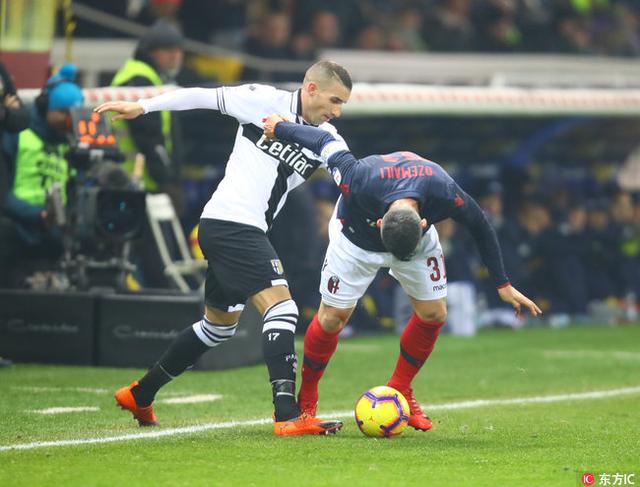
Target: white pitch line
191,399
43,389
61,410
158,433
60,389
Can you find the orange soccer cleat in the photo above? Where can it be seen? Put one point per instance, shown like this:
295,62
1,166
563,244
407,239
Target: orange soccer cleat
417,418
144,415
306,425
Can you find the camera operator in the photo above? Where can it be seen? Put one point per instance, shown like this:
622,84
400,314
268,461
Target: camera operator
38,158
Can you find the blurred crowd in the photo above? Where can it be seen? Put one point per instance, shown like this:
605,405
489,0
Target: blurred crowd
578,257
297,29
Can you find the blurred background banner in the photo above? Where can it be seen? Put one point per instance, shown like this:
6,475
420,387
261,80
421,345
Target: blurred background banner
26,31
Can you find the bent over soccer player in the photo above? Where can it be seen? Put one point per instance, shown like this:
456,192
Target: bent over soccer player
384,218
242,263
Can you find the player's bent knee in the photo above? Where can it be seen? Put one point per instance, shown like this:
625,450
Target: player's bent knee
333,320
221,318
432,311
332,324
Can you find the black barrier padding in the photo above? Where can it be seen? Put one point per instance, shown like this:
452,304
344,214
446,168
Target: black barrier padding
134,331
245,348
47,327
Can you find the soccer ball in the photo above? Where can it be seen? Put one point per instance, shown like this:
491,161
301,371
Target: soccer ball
382,412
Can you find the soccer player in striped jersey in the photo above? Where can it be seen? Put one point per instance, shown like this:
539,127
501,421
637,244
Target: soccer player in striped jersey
384,218
242,263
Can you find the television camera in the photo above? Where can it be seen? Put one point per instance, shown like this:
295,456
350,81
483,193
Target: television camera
105,209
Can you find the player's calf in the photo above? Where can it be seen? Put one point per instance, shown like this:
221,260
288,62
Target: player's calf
188,346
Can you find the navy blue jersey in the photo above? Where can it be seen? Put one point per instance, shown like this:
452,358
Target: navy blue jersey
371,184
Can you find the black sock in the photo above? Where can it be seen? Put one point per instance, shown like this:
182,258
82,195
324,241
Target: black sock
280,356
182,353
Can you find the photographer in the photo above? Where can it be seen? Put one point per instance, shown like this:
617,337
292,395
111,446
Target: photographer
38,158
13,118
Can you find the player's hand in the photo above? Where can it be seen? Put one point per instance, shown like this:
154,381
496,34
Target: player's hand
515,298
126,109
270,125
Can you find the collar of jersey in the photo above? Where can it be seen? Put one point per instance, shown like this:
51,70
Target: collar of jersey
296,107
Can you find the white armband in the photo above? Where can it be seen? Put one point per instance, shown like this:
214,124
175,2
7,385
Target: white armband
332,147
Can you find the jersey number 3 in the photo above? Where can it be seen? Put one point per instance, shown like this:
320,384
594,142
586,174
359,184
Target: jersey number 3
433,264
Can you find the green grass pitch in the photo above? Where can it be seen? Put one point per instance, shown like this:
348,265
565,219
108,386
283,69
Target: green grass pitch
549,440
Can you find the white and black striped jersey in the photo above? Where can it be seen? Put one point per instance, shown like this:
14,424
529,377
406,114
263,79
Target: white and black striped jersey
260,173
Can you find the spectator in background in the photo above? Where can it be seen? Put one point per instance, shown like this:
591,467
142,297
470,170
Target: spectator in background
534,18
601,260
271,41
615,29
303,46
622,213
497,27
156,61
566,268
571,32
325,28
219,22
521,241
337,22
371,38
628,29
448,27
490,198
167,10
13,119
405,32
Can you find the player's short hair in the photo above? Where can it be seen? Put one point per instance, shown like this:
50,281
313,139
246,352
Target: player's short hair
327,70
401,232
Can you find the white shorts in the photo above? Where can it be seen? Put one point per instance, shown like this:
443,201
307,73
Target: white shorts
348,270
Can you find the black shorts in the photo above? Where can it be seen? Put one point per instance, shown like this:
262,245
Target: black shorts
242,262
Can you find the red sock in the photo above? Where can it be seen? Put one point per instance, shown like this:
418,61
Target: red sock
318,349
416,344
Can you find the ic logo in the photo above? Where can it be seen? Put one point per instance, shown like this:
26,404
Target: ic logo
588,479
334,284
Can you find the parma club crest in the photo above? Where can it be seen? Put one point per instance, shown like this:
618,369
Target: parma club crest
277,266
334,284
